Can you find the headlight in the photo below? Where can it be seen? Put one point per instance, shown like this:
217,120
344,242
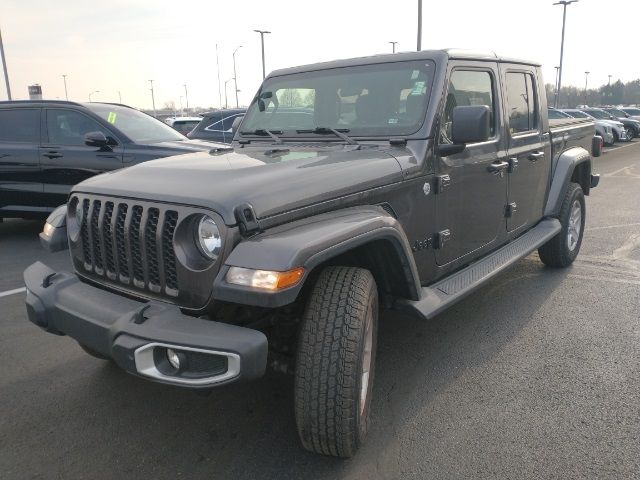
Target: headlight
208,238
76,210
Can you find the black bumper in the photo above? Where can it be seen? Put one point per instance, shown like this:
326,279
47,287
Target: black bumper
123,329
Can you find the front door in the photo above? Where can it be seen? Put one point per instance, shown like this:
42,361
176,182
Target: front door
64,157
472,185
529,148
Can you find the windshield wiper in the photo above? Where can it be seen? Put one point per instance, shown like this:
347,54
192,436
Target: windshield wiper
340,132
264,131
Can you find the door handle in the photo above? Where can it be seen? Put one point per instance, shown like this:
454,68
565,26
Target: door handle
52,154
497,167
535,156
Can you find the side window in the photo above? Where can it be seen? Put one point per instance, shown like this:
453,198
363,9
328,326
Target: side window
467,87
521,102
21,125
66,127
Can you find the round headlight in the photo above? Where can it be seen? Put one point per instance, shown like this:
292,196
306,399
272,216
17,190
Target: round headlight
208,238
76,208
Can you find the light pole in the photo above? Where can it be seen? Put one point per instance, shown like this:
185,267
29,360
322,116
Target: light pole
93,93
564,4
4,66
393,46
119,96
226,101
586,80
186,96
219,84
420,25
610,79
153,100
556,92
262,32
64,79
235,75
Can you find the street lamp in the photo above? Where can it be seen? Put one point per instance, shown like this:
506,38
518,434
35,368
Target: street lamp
556,92
262,32
219,85
64,79
4,67
153,100
92,93
610,79
564,4
186,96
393,45
226,101
419,25
586,79
235,75
119,97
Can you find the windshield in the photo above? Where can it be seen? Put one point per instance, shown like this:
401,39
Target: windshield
617,113
632,111
370,100
556,114
599,114
138,126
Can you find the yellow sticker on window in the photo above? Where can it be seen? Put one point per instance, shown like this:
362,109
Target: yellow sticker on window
111,118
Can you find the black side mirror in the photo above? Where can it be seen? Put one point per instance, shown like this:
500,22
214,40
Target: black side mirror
96,139
469,124
236,124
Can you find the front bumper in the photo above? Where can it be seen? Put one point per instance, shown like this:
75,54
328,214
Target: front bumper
135,334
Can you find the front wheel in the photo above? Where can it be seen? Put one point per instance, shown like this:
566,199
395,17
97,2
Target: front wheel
335,361
630,133
563,249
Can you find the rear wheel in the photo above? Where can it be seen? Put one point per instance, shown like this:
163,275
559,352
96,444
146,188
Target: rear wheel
335,361
563,249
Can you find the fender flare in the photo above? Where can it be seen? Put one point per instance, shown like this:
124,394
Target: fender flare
565,166
308,243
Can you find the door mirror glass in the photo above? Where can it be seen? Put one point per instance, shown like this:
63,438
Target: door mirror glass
470,124
95,139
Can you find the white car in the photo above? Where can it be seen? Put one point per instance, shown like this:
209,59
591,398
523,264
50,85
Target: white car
617,128
183,124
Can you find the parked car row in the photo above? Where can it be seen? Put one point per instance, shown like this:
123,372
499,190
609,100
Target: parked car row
612,124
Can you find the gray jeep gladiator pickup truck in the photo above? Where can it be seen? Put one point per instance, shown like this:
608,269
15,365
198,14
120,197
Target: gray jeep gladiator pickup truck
399,181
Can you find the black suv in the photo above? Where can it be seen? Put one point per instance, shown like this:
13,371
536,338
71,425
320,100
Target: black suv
46,147
216,126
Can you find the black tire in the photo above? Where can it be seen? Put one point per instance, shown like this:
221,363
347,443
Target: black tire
630,133
331,417
93,353
616,138
560,251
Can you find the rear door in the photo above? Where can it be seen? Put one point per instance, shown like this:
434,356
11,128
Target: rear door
20,184
64,157
529,147
472,185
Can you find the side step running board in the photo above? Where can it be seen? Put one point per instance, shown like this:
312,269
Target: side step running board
439,296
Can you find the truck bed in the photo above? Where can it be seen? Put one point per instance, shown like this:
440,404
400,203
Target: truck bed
568,133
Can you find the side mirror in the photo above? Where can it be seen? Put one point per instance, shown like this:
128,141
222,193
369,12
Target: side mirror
95,139
54,234
469,124
236,124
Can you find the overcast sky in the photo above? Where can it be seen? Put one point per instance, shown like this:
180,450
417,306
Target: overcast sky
119,45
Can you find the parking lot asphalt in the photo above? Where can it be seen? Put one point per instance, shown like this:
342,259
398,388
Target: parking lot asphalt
536,375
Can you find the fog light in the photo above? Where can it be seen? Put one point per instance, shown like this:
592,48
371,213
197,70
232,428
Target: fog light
174,358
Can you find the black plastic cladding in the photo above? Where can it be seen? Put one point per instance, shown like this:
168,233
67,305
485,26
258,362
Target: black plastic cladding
129,245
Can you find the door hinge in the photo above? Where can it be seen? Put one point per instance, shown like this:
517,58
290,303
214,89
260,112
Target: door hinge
441,238
442,182
510,209
513,164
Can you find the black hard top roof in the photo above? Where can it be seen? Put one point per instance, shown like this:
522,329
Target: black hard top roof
436,55
41,103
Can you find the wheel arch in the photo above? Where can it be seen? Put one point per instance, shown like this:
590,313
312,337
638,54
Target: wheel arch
366,237
573,165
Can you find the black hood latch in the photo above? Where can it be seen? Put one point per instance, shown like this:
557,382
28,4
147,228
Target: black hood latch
247,220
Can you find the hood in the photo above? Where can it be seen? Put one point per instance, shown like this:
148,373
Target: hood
274,180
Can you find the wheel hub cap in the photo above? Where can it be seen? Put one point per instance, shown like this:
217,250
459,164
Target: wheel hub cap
575,225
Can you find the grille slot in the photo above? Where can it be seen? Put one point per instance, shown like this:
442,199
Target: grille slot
130,244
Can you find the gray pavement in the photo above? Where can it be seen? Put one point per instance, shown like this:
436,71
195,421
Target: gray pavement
534,376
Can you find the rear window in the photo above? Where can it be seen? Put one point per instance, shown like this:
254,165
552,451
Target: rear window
215,124
632,111
185,126
20,125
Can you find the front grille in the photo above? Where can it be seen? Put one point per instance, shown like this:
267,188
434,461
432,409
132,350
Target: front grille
122,240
